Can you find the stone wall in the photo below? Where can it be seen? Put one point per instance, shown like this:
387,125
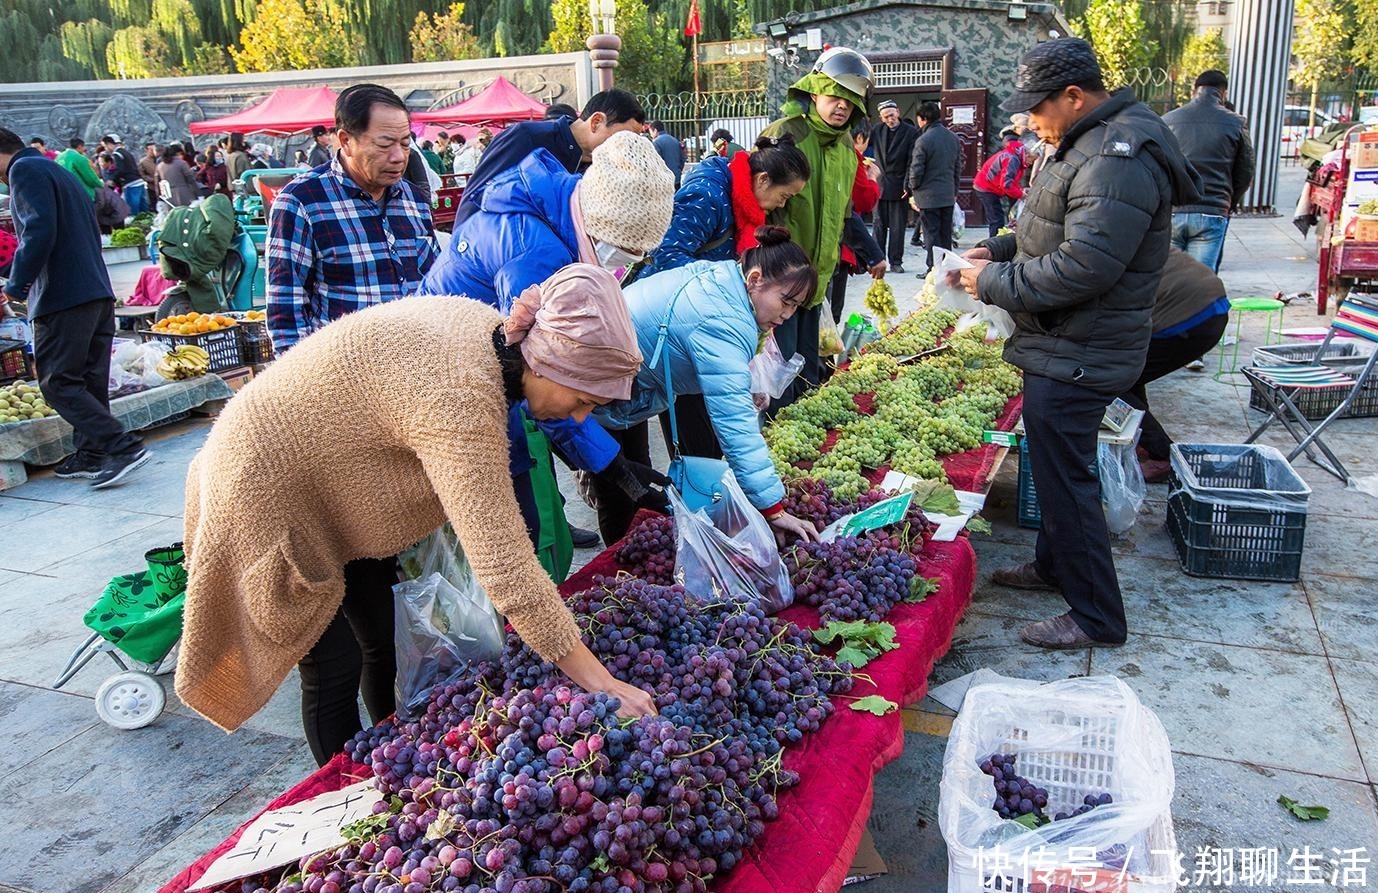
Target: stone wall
159,110
985,43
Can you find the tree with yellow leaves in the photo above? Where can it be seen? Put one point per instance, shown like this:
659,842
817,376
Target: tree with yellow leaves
443,36
286,35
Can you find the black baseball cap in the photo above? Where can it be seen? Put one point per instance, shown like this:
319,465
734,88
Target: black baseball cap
1048,68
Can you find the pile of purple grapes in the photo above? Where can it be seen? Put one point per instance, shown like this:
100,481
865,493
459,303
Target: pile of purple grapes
1088,803
1014,796
648,550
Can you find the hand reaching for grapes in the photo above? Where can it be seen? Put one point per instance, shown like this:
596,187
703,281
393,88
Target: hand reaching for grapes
788,527
587,672
760,401
635,701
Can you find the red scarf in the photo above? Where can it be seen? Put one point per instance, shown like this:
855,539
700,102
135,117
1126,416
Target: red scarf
746,211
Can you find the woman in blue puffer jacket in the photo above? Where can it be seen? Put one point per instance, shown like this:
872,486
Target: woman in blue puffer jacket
713,313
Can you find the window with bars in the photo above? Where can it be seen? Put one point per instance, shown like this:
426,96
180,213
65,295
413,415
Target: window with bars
921,73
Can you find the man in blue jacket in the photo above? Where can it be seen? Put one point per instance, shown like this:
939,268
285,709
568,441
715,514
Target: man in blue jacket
570,140
59,271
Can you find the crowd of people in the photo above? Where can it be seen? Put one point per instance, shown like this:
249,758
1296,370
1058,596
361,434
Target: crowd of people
589,287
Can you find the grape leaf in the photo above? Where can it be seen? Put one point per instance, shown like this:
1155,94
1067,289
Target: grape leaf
1029,821
600,863
937,497
854,656
874,704
1305,813
921,588
883,635
839,630
977,524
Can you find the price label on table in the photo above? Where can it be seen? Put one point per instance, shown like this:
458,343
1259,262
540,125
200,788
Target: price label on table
889,511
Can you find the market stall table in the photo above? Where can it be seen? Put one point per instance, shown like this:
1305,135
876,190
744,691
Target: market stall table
811,845
46,441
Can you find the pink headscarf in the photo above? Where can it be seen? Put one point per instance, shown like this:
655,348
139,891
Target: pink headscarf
574,329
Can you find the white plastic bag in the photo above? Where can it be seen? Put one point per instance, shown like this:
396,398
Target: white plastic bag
1122,487
729,550
959,220
770,373
134,366
444,620
952,296
1074,737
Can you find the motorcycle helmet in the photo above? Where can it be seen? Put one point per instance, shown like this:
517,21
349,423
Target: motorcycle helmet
848,67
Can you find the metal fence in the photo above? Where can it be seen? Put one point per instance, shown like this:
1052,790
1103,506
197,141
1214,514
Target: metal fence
1155,87
692,117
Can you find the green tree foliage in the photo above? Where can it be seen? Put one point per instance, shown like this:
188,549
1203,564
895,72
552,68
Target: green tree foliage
1119,32
84,43
1321,42
1203,52
139,52
443,36
287,35
1365,49
210,58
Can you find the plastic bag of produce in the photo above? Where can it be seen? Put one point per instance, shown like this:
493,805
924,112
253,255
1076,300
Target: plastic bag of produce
1074,741
1122,488
729,550
948,295
444,619
829,339
770,372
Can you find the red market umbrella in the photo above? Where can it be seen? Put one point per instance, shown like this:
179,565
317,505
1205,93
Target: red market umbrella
287,111
499,102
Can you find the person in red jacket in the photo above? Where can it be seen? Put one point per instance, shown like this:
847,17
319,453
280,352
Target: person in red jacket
999,179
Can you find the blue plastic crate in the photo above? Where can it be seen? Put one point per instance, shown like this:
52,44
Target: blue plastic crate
1029,514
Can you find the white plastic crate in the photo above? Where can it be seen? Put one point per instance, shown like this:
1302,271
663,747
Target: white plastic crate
1073,737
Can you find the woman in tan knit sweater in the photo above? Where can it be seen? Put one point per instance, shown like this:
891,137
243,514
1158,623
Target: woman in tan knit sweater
363,439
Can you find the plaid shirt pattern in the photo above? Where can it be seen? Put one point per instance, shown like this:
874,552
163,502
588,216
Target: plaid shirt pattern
333,250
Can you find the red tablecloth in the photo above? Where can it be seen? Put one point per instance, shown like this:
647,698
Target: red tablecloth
810,847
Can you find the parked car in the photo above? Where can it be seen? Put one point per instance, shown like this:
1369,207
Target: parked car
1298,125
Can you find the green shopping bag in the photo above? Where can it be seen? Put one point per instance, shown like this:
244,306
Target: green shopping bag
554,547
141,614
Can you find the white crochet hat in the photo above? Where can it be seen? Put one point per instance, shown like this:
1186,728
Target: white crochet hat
628,194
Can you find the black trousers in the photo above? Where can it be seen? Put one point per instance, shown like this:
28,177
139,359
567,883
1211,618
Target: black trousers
355,655
799,334
837,292
1073,549
996,214
891,222
937,230
72,350
1166,355
696,438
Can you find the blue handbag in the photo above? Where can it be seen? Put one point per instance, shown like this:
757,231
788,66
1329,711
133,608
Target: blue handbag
698,480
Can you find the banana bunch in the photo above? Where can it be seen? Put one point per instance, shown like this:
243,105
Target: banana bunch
186,361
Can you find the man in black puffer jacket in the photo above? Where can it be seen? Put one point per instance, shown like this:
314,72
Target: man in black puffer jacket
1080,279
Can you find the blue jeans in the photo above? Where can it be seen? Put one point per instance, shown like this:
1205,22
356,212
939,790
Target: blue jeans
1201,235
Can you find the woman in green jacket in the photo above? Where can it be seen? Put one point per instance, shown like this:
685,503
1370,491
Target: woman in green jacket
823,105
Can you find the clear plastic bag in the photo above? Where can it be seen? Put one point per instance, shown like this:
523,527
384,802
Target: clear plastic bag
829,338
729,550
1074,737
1122,487
1245,476
770,372
444,620
952,296
959,220
134,366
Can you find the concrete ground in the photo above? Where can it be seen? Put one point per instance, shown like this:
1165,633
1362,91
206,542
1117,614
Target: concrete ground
1264,689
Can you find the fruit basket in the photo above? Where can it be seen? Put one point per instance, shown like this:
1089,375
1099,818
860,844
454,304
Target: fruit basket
221,343
255,345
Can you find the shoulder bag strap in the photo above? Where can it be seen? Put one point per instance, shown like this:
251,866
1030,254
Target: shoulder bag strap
660,354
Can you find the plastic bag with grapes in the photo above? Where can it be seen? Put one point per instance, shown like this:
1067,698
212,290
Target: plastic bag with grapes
771,373
952,296
444,620
729,550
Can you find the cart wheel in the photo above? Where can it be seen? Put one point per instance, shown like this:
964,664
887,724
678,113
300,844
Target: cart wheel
130,700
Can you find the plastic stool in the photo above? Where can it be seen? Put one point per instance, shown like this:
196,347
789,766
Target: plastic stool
1241,306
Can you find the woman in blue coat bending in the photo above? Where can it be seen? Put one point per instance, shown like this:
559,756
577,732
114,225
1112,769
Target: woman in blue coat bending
714,313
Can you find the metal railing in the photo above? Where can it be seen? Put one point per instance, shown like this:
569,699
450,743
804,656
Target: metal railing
690,117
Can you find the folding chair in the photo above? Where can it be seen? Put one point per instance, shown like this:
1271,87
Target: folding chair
1279,386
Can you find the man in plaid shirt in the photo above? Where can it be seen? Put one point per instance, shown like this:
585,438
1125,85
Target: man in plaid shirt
354,234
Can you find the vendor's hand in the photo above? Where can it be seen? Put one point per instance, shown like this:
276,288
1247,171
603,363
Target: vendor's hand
915,205
788,527
970,275
760,401
977,253
878,269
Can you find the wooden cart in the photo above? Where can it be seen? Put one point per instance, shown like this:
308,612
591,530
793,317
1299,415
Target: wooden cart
1343,263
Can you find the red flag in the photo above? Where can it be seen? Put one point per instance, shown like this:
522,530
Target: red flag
694,26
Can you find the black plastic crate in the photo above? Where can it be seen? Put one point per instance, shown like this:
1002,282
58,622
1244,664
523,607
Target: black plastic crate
254,343
1317,403
15,362
222,346
1262,541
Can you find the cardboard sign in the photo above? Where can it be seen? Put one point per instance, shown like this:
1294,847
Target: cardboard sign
284,835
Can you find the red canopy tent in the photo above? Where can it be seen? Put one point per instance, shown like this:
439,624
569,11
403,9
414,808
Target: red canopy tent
499,102
288,110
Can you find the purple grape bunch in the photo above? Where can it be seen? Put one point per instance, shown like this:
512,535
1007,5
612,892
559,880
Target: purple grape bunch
648,550
851,578
1015,795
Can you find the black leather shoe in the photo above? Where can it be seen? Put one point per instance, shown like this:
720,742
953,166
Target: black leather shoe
584,539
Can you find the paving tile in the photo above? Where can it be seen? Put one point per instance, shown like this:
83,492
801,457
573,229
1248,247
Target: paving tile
983,640
121,556
67,531
1358,681
1223,701
1332,548
1225,805
131,790
14,509
206,834
42,627
33,720
904,820
1346,614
